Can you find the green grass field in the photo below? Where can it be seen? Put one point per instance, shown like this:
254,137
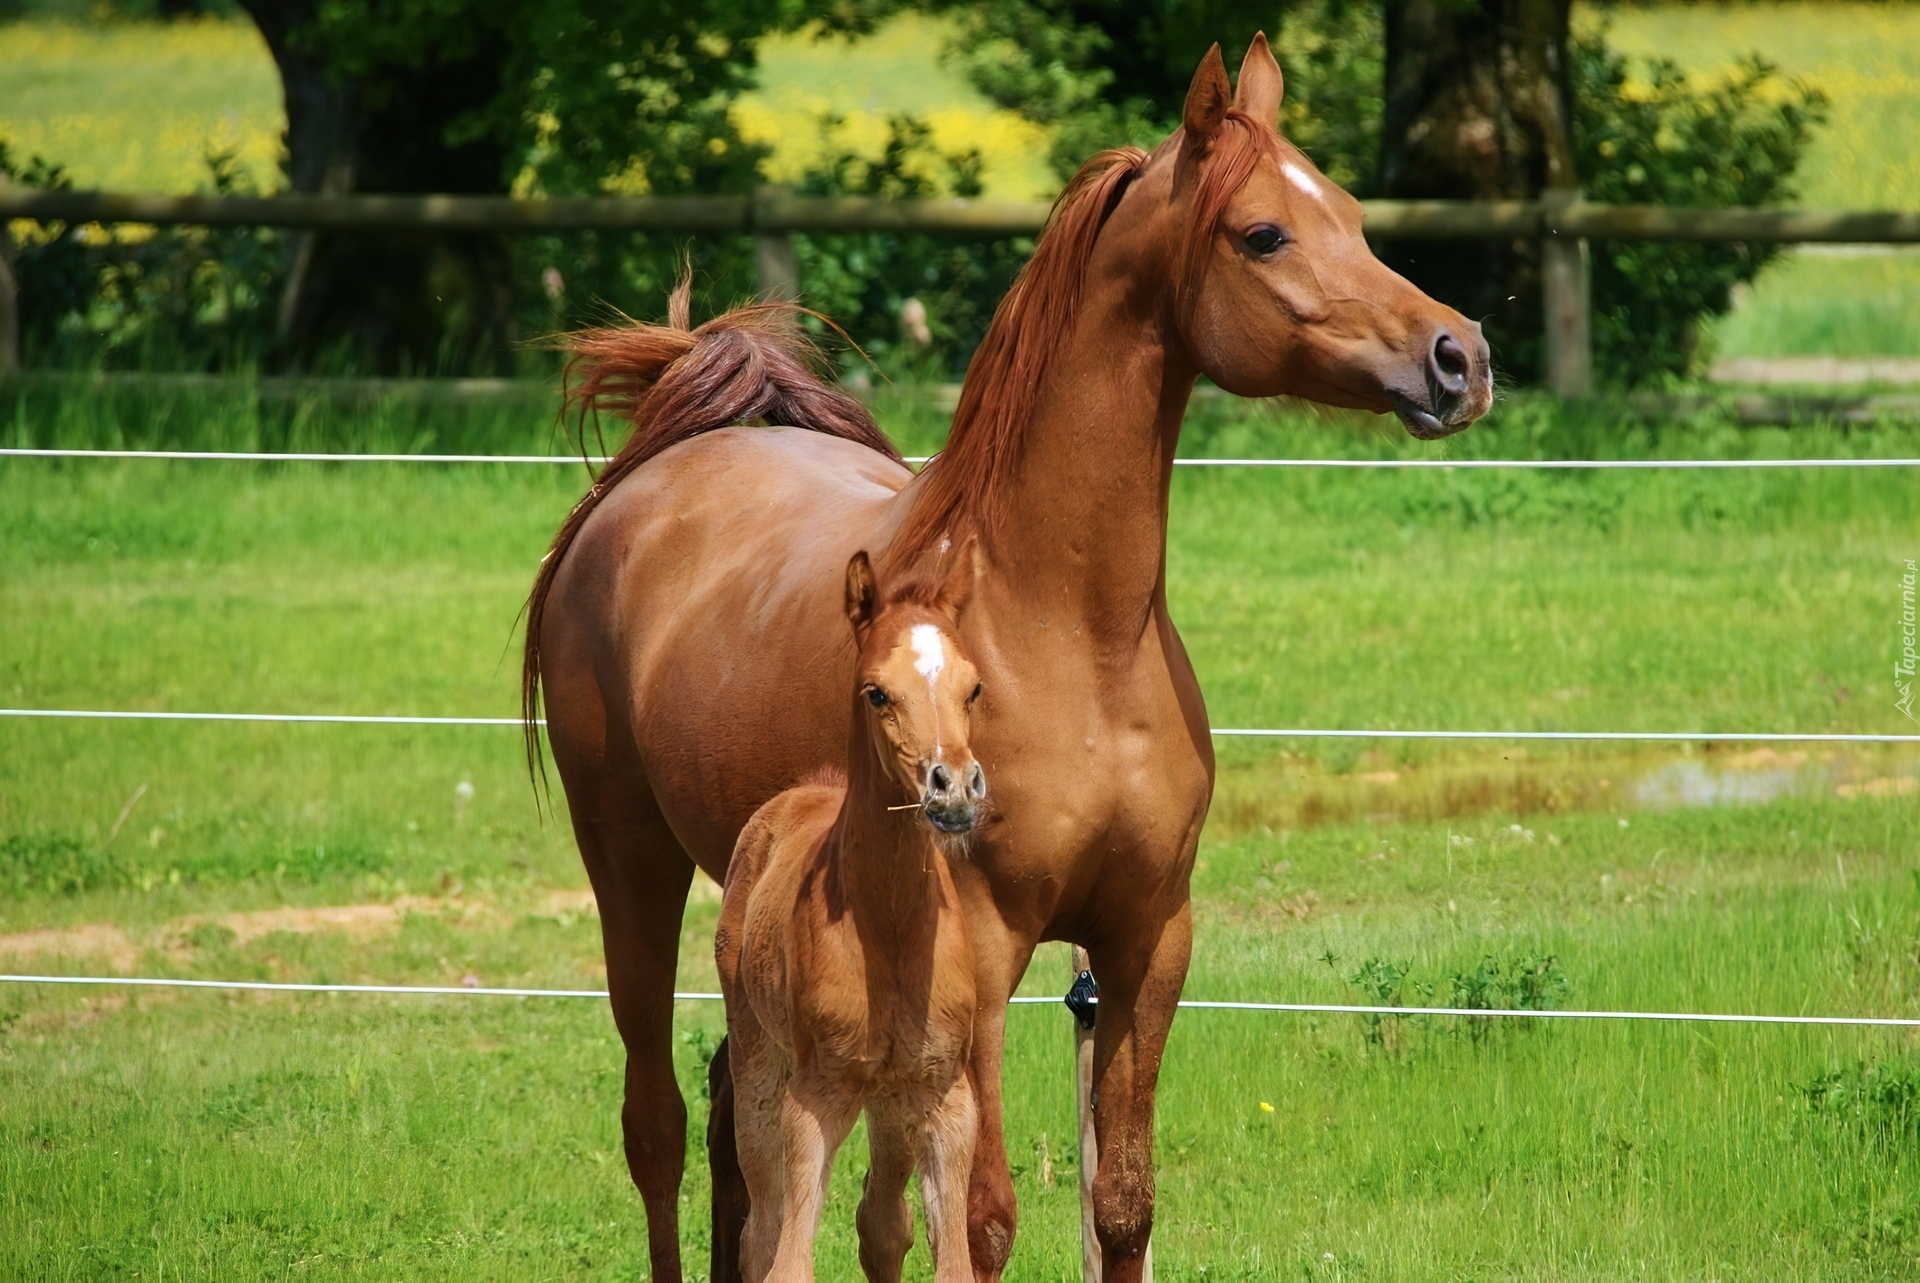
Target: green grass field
215,1135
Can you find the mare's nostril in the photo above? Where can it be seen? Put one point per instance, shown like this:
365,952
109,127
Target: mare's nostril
977,781
939,779
1448,365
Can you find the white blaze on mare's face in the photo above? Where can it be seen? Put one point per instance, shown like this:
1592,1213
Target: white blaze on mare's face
929,657
1302,179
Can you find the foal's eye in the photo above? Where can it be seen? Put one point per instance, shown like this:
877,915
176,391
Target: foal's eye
1265,239
977,686
876,697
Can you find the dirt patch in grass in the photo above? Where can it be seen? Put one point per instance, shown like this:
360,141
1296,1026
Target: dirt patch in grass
94,940
110,943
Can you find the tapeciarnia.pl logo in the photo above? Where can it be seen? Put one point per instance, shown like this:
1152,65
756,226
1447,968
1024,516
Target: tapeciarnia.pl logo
1903,667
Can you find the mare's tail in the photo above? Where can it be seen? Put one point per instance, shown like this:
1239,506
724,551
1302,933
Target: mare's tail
675,382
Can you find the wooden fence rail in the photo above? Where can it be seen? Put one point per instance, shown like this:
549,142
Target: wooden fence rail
1562,223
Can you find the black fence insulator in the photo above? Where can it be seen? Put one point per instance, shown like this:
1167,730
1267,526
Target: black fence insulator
1083,1000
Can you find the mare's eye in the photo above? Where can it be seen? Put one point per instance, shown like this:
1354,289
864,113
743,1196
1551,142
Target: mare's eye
876,697
1265,239
976,692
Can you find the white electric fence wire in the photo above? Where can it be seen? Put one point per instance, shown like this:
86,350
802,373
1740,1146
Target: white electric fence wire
349,719
274,456
1320,1008
1688,737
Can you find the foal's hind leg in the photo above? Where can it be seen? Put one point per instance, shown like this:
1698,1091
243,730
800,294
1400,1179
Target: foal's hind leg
640,878
884,1219
731,1203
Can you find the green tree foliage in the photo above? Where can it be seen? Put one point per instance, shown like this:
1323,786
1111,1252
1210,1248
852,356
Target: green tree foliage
581,93
1104,71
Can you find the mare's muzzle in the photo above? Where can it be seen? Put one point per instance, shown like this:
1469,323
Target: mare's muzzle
951,796
1457,375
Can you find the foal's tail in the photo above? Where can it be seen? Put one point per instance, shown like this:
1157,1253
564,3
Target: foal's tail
675,382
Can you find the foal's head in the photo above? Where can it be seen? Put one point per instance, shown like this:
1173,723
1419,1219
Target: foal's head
916,689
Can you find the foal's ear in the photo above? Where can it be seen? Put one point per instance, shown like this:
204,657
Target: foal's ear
961,580
1207,98
861,595
1258,94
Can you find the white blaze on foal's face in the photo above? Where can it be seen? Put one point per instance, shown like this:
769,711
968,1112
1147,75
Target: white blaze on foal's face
929,657
921,691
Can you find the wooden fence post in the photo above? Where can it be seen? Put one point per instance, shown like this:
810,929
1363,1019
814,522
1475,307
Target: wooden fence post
776,267
1566,289
1090,1263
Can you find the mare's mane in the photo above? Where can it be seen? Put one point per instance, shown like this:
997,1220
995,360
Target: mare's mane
965,487
676,381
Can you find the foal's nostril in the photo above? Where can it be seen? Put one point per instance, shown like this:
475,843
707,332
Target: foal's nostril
1448,365
977,781
939,779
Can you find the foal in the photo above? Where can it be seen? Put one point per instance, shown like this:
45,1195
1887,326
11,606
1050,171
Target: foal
844,958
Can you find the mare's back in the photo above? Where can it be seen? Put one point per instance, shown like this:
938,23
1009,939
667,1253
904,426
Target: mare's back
716,570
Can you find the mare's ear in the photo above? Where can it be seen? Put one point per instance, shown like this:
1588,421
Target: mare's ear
964,576
1258,94
1207,98
862,598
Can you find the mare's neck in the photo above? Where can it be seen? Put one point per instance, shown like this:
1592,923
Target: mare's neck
1084,534
887,862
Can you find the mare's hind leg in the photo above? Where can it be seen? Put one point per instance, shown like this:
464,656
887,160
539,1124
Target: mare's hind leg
640,878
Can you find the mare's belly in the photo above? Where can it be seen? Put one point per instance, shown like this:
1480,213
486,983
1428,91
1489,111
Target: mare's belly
737,656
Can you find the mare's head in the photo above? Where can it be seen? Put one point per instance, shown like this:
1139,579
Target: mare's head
916,688
1276,290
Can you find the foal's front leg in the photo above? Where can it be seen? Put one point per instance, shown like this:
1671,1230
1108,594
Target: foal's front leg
945,1165
815,1117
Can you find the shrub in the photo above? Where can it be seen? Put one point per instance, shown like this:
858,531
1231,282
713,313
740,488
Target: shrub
57,864
181,298
1882,1099
1522,982
1663,138
864,280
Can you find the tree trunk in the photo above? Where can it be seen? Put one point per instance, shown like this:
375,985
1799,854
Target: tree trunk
387,302
1478,108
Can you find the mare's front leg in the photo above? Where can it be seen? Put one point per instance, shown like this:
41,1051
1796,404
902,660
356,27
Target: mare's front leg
947,1162
1141,968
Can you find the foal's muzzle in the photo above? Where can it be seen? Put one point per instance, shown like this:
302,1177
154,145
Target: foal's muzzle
951,796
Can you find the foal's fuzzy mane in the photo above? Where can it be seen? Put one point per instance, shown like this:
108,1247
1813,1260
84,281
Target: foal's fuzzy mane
965,490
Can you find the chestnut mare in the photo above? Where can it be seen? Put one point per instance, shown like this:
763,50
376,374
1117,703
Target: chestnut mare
843,954
695,662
